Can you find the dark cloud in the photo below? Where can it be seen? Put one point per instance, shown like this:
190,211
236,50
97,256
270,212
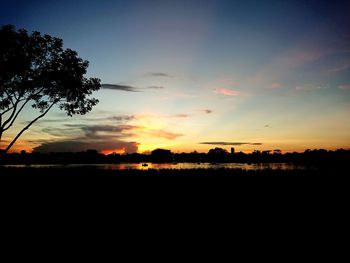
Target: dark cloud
230,143
63,132
83,145
115,118
83,137
160,74
119,87
95,131
122,118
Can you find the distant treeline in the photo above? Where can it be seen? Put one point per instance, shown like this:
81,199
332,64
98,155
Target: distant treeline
217,155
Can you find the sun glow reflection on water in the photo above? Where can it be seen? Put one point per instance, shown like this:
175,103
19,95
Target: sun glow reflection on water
175,166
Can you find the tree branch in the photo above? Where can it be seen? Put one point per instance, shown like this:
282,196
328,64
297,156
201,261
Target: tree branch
6,111
1,131
14,109
15,117
28,126
10,97
15,113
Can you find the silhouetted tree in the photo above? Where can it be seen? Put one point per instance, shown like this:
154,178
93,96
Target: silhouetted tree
161,155
35,70
218,155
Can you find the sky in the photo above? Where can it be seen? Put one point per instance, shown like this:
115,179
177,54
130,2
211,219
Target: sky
194,75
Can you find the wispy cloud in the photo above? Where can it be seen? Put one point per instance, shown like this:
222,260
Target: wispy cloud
164,134
121,118
296,58
160,74
207,111
309,88
339,68
117,118
182,116
119,87
276,85
344,87
155,87
231,143
226,92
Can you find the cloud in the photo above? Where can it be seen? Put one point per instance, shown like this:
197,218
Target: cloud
95,131
121,118
226,92
339,68
300,88
276,85
230,143
344,87
156,87
128,88
309,88
119,87
160,74
105,134
81,137
205,111
63,132
164,134
182,115
83,145
102,132
295,58
118,118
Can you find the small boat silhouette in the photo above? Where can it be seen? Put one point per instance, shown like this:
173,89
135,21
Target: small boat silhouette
144,164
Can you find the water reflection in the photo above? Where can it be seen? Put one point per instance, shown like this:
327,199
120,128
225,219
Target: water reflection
157,166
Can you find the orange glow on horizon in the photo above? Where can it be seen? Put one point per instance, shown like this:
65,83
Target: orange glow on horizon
116,151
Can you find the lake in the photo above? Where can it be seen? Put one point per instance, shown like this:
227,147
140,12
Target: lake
178,166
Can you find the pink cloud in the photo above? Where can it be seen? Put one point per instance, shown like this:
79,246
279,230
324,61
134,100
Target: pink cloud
227,92
276,85
344,87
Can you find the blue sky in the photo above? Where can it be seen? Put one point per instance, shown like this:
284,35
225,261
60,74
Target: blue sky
269,72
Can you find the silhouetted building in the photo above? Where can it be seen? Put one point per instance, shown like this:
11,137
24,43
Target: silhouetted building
232,150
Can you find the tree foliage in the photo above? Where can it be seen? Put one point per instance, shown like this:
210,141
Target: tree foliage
36,71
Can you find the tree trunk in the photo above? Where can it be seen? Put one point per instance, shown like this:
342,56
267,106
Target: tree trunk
1,131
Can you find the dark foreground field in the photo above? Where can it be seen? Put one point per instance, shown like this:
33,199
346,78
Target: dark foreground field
89,184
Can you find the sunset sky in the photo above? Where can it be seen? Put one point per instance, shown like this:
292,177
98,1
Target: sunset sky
194,75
